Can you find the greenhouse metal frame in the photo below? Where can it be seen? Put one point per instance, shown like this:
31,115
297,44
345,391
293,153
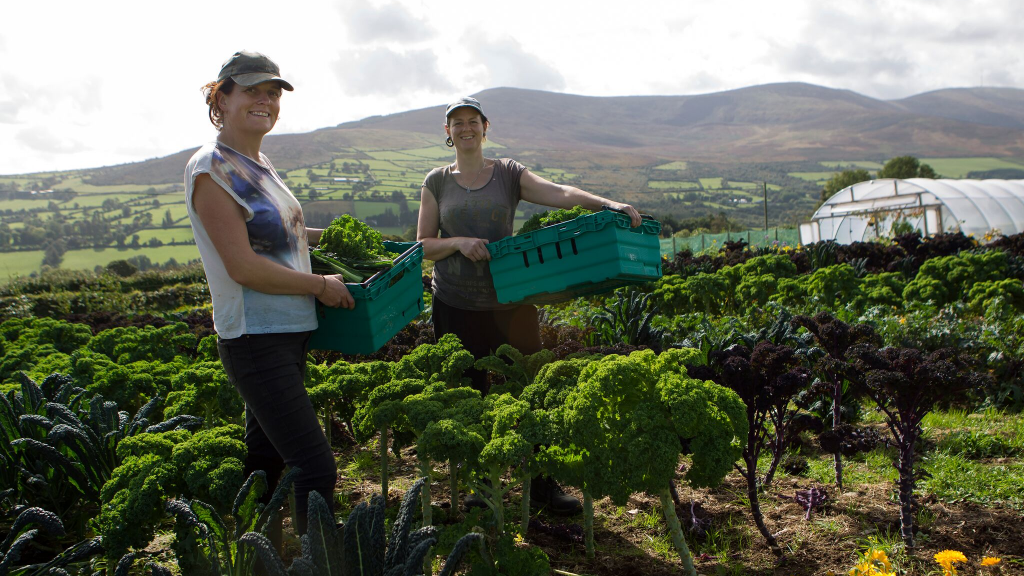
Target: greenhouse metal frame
870,209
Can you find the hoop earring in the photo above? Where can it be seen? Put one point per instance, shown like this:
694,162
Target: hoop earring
449,142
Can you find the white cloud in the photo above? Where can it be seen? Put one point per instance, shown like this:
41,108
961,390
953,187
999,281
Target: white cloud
46,140
508,64
367,23
384,71
80,84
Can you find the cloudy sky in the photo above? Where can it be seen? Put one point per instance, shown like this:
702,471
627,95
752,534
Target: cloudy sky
86,84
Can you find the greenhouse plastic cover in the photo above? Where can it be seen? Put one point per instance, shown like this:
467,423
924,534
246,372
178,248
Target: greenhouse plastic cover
866,209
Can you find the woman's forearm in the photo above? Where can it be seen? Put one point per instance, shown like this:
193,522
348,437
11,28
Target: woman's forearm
439,248
313,236
576,197
263,275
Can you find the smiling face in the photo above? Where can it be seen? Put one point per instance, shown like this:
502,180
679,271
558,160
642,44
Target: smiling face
466,127
251,109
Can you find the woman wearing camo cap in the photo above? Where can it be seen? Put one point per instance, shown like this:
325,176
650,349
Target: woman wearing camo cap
464,206
253,241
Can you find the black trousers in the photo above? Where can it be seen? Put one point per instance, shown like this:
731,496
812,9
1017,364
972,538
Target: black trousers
281,426
481,332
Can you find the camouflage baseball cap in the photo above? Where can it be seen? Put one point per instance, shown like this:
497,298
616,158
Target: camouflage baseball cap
250,69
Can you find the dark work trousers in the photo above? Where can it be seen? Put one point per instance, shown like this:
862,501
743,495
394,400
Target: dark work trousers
281,427
481,332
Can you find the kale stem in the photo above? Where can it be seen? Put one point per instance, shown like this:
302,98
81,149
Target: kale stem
425,494
384,464
668,508
588,523
525,523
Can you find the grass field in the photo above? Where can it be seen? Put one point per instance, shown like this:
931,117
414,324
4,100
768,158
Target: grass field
19,204
19,263
89,259
433,152
24,263
847,164
167,234
403,170
679,165
673,185
818,177
365,208
711,183
959,167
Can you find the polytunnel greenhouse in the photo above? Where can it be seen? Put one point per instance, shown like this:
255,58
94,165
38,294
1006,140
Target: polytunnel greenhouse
874,208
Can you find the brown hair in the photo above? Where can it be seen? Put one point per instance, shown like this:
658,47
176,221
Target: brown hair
211,91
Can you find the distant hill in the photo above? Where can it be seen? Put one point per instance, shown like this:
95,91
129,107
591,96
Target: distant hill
770,123
1003,107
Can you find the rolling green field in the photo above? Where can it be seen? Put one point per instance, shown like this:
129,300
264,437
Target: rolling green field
375,174
812,176
166,235
711,183
848,164
679,165
673,185
959,167
25,263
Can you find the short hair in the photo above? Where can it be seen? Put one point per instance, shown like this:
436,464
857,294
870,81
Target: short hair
211,91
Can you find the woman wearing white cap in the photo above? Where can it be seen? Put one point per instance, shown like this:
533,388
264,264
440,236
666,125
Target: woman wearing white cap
253,241
464,206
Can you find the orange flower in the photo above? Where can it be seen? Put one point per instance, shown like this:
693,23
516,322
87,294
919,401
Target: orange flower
990,561
947,558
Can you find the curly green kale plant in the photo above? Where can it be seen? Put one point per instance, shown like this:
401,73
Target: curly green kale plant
517,369
352,249
446,361
550,218
514,429
619,432
160,465
382,412
337,389
430,415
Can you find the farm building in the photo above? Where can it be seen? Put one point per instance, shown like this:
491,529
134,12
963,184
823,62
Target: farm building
873,208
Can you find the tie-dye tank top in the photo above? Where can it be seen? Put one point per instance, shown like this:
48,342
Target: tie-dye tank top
276,231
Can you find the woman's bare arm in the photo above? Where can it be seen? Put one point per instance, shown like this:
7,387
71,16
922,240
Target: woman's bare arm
224,221
434,248
540,191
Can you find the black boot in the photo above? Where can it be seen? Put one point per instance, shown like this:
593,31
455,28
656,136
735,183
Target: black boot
546,494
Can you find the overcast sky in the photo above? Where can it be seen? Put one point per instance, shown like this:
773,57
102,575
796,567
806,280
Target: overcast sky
87,84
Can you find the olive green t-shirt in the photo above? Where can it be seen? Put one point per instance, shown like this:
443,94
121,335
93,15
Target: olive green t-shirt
486,212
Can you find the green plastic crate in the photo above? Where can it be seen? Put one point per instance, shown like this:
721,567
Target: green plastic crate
384,305
588,255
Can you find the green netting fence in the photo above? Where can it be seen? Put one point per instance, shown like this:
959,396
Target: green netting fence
757,238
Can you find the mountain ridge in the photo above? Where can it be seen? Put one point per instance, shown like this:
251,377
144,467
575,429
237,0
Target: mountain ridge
778,122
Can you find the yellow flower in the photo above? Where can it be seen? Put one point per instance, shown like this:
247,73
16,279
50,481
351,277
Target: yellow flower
946,558
518,538
990,561
880,557
862,569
